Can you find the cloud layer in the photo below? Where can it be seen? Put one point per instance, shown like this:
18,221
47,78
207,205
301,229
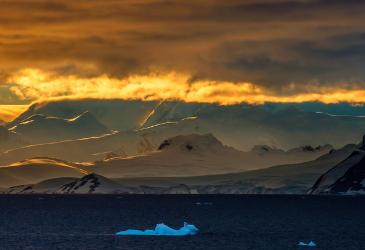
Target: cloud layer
34,84
228,51
9,112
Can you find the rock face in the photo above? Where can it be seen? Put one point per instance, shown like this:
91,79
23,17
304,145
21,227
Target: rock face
44,187
353,181
348,177
192,143
93,184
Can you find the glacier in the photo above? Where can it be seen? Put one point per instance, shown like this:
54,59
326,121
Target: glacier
163,230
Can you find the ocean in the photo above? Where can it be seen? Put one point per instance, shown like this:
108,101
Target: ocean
257,222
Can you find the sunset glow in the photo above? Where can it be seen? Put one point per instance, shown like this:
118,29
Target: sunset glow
37,85
9,112
252,51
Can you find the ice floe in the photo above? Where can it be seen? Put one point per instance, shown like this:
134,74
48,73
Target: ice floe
309,244
163,230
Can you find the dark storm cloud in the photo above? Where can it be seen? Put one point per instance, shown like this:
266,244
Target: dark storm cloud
270,43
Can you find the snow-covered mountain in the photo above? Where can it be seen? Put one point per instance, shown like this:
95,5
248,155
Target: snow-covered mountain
170,111
181,156
193,155
240,126
138,142
41,129
244,127
84,149
93,184
49,186
347,177
115,114
283,179
287,179
116,176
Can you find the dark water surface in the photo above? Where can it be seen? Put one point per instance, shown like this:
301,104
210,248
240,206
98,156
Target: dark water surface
226,222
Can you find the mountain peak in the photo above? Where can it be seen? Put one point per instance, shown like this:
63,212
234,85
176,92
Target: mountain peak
191,143
311,149
264,149
92,183
40,128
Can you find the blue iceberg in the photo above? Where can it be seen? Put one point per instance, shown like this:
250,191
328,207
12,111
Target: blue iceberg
309,244
163,230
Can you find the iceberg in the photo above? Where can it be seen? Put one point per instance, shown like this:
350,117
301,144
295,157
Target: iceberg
163,230
309,244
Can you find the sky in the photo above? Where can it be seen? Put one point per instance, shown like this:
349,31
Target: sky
227,52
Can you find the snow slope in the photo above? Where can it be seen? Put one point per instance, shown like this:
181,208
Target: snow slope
115,114
191,155
347,177
286,179
85,149
240,126
141,142
243,128
49,186
36,170
10,139
41,129
92,184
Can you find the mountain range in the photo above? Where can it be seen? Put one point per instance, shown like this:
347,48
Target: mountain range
190,155
240,126
284,179
174,147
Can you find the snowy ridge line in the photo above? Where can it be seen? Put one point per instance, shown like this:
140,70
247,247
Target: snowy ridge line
355,116
156,125
60,142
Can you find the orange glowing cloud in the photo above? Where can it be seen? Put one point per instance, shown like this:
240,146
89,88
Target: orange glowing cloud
269,42
9,112
35,84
